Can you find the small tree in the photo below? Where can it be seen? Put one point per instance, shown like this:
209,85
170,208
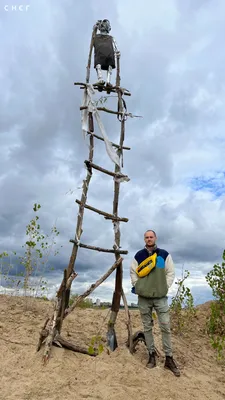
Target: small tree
38,249
216,321
35,261
182,305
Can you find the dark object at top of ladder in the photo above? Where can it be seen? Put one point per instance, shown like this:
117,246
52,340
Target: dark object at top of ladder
113,89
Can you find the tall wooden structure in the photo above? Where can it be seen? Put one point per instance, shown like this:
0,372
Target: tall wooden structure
52,328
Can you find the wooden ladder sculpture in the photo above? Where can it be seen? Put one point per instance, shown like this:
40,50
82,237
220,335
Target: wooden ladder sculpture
50,333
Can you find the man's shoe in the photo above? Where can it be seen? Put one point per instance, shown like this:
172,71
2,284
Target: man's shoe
170,364
151,361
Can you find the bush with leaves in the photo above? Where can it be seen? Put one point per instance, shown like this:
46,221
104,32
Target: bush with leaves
216,321
182,306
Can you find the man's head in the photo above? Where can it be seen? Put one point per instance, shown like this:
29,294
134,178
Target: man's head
150,238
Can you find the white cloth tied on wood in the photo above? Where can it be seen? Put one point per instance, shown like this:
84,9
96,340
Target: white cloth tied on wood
89,103
116,227
77,240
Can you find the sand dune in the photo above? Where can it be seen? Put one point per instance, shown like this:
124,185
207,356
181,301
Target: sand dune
118,375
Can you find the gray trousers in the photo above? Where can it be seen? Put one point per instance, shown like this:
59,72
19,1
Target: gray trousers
162,309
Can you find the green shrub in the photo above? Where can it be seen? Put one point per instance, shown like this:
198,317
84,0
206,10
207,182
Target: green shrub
216,321
182,306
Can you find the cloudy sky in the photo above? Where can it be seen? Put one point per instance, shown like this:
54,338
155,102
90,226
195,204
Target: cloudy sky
172,61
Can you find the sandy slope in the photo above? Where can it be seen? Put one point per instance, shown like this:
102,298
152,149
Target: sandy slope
116,376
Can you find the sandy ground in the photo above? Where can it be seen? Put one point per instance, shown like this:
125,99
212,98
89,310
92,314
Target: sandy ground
118,375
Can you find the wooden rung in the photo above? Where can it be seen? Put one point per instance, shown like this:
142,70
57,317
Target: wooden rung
90,165
113,89
113,144
107,110
85,246
106,215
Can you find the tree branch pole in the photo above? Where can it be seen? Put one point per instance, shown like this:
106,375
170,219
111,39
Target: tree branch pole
119,272
51,331
43,334
80,216
63,294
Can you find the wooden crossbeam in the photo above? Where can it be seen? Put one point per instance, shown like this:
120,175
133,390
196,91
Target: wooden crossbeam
113,144
106,215
117,175
86,246
113,89
107,110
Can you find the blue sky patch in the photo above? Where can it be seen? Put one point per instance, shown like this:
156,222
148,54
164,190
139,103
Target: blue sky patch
214,184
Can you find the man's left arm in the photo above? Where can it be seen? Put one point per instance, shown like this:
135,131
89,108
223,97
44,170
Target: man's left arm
170,270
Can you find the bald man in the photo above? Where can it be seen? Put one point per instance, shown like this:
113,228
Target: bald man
152,291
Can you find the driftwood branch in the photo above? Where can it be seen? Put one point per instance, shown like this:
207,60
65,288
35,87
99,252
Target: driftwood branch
106,215
71,346
51,332
113,89
43,334
63,302
93,286
80,216
86,246
117,175
70,279
68,283
113,144
112,340
118,71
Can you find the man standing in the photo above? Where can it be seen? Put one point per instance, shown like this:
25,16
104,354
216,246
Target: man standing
152,274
